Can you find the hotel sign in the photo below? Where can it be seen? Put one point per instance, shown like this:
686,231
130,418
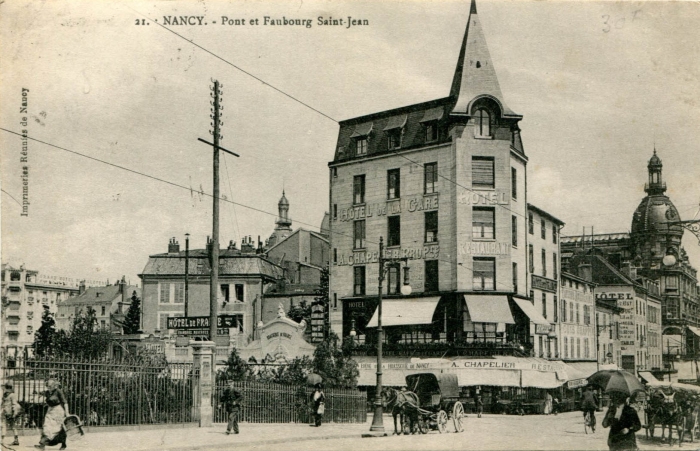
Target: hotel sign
392,207
544,284
200,322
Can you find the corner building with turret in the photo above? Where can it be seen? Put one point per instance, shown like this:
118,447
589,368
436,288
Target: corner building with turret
442,183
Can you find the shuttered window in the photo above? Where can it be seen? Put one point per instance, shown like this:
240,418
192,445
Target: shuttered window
483,172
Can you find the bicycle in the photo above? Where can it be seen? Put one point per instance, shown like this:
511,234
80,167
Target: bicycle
589,422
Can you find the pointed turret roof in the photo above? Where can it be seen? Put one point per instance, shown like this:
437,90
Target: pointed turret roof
475,75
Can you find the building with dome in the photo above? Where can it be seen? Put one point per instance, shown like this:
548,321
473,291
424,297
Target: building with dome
283,227
652,251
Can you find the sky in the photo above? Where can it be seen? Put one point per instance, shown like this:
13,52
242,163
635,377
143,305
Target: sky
599,85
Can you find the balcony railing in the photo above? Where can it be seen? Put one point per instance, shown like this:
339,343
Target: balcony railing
442,349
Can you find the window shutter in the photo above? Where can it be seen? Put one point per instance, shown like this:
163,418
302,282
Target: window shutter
482,172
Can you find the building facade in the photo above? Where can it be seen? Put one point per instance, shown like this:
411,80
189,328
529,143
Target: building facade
25,292
578,321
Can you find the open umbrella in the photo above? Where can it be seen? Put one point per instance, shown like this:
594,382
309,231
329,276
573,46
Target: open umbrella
616,381
313,379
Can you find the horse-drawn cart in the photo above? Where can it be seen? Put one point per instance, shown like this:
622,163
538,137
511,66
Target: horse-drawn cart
438,401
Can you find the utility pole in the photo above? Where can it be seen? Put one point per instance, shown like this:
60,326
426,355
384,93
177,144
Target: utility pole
187,272
214,244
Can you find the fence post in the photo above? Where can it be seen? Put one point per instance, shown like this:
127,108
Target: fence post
203,364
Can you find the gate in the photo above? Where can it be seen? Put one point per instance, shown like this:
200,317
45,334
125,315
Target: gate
276,403
104,392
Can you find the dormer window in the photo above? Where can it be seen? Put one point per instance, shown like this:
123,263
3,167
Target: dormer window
394,130
361,137
431,131
483,122
361,146
394,139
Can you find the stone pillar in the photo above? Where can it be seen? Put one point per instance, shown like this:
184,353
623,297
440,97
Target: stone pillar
204,365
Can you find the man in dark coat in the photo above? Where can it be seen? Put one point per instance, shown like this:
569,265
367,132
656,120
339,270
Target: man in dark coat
231,399
589,404
623,421
319,400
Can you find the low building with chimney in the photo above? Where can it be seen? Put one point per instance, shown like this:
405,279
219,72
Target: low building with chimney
25,294
110,303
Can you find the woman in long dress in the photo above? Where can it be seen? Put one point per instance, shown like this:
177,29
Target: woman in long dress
53,433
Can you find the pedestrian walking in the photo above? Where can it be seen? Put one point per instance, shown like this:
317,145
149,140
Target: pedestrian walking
231,399
548,403
479,406
623,422
319,404
53,432
11,411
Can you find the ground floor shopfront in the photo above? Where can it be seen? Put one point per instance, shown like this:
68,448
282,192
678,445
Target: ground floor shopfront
506,384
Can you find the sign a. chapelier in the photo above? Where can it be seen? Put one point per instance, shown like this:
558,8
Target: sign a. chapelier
487,364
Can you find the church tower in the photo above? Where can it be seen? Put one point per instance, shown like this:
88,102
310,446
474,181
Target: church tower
283,226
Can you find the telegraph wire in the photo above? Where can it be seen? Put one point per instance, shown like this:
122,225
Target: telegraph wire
236,67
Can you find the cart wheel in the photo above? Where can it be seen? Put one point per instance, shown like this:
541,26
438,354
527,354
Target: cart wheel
423,425
457,416
442,421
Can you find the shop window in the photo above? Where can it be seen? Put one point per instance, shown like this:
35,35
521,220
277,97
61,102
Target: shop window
358,189
431,227
393,184
359,280
484,274
394,226
483,223
430,176
431,276
483,175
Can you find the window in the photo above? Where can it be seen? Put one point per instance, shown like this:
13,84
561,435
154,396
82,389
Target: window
335,300
239,292
359,280
179,293
430,178
361,146
571,312
541,347
578,348
225,293
514,183
431,227
544,305
578,313
532,296
335,211
431,131
164,293
515,277
30,315
103,325
555,271
543,229
483,223
544,263
335,255
483,172
483,122
563,310
334,172
586,349
514,230
359,234
530,224
531,258
566,347
30,330
554,234
586,315
431,276
555,309
484,274
393,184
394,231
103,310
392,286
358,189
671,283
394,138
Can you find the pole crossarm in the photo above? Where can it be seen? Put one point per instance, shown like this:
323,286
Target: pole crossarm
218,147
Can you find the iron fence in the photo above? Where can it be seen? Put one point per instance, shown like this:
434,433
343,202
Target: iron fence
277,403
104,392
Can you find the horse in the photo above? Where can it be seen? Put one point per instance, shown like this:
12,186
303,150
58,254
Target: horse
403,403
690,410
665,409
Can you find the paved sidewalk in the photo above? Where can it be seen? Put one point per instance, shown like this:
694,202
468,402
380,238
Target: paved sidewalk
252,435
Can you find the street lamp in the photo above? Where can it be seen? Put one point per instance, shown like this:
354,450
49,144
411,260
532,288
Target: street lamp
378,421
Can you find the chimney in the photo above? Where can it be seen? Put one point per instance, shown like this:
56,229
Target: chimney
173,246
585,271
247,245
81,287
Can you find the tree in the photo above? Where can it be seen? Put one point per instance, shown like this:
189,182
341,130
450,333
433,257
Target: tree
334,364
132,322
236,368
300,312
86,339
45,336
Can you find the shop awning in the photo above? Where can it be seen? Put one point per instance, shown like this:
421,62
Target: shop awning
647,376
406,312
694,330
489,309
538,379
584,369
499,378
362,130
531,312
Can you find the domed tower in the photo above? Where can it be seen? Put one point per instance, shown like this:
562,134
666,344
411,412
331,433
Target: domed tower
651,234
284,224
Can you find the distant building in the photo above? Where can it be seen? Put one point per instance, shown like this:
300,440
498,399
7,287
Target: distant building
110,303
25,292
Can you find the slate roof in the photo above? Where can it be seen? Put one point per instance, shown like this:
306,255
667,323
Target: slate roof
100,295
231,262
